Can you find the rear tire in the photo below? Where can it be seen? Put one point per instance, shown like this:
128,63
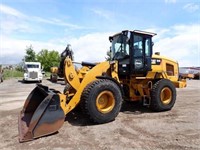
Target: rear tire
163,95
101,100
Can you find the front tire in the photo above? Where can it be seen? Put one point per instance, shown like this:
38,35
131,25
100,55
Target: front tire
163,95
101,100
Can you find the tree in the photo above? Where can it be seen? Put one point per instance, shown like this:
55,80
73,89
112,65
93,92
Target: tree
48,59
30,54
20,67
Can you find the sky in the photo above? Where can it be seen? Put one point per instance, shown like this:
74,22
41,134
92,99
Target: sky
87,24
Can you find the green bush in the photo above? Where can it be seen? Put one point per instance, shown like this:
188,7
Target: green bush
12,74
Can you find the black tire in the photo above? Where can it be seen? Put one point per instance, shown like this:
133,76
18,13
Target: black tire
101,100
67,88
163,95
54,78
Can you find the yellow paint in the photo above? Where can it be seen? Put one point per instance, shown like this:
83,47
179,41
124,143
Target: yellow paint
166,95
105,102
114,71
71,74
54,70
63,102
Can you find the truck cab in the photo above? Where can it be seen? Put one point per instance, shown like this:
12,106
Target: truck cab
33,71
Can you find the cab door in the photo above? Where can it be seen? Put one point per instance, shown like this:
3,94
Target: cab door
141,54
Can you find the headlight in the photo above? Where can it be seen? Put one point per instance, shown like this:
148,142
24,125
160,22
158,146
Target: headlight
25,74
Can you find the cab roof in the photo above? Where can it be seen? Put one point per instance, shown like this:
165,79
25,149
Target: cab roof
135,31
144,32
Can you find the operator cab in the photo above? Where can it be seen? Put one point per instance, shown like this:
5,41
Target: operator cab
133,51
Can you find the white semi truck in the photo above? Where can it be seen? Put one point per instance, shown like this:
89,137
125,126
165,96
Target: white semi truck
33,71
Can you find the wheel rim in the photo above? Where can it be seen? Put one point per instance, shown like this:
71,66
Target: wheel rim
166,95
105,102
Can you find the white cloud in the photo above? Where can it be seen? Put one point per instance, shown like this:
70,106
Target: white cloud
90,47
13,20
57,22
182,43
170,1
8,26
12,48
103,13
191,7
10,11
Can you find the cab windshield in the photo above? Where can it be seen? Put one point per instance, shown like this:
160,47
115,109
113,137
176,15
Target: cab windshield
120,47
32,66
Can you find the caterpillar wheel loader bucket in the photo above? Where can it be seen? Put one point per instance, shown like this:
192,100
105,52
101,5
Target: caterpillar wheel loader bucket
41,115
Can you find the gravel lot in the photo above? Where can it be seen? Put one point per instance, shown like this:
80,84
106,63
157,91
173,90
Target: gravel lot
135,127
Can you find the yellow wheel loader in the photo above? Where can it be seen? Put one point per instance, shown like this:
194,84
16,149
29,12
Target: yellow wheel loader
132,74
57,72
54,74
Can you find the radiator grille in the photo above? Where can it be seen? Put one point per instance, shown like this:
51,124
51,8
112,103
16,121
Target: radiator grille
33,75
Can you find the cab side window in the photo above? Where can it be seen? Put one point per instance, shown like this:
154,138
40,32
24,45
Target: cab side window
138,46
148,47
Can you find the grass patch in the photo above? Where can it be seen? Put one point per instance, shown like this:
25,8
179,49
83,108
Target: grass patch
7,74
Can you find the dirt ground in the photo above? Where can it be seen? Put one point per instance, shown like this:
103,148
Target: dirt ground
135,127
